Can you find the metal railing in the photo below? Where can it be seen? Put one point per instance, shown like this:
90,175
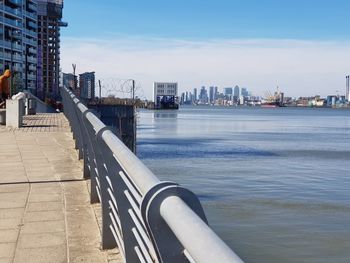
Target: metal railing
149,220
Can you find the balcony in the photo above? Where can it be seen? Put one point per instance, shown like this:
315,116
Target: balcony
17,67
16,2
30,42
31,76
31,59
14,45
31,85
17,57
31,15
32,7
32,68
13,11
5,44
12,22
5,56
32,25
16,34
32,50
30,33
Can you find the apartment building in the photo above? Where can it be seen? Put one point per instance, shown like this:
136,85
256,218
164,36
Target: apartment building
87,85
18,42
49,24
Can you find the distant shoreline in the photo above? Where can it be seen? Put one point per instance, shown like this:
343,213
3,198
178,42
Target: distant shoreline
258,106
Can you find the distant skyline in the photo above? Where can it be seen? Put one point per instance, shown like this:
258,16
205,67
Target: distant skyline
300,46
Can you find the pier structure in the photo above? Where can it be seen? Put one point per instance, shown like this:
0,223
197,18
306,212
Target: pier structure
71,191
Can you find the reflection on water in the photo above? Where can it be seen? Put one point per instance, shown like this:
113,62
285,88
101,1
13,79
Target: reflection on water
274,182
166,114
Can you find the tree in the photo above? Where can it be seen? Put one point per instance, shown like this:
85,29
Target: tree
17,83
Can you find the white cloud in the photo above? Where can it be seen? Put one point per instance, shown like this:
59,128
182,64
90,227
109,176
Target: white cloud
300,68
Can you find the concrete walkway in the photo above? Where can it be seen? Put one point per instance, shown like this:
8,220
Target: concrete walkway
45,211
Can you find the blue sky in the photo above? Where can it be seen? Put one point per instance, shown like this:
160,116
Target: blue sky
203,19
301,46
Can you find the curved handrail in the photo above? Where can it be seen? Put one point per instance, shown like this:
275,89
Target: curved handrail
134,200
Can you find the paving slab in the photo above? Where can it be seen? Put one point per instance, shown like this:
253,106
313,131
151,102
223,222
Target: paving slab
6,260
47,206
11,223
8,236
53,254
44,227
42,240
9,213
7,250
45,210
44,216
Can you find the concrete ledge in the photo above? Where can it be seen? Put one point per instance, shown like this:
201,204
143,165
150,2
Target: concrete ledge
14,113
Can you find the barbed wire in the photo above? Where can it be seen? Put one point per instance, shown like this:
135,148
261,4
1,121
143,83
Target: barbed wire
121,88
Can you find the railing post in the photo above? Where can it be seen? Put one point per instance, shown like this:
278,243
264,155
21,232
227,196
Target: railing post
86,149
108,241
79,139
96,167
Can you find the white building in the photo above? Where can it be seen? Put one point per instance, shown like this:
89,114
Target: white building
165,94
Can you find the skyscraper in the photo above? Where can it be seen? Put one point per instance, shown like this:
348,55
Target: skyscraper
216,93
190,97
18,42
244,92
182,101
49,23
195,94
203,96
211,95
236,92
228,93
87,85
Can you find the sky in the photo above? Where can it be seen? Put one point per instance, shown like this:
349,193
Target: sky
300,46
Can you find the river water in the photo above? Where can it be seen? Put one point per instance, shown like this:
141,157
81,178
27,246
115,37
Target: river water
274,183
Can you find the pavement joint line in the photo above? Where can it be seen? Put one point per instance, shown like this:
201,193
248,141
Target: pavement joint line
65,218
45,182
26,205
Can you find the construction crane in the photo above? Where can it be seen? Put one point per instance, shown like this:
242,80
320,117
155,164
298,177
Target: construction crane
274,99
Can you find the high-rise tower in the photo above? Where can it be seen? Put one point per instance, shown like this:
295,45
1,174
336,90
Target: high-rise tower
211,94
18,42
87,85
49,23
